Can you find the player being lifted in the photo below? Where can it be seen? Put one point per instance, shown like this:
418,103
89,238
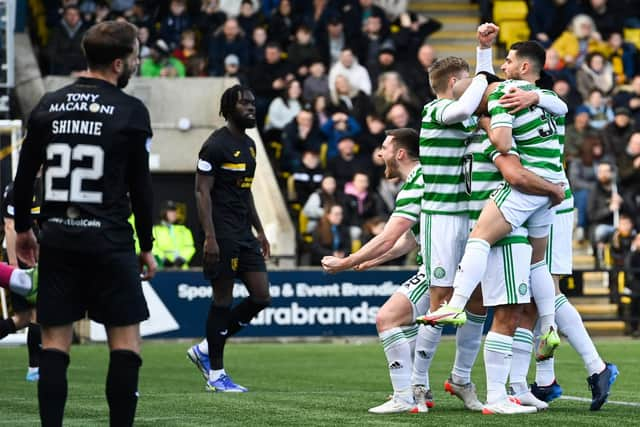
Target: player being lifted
506,285
534,133
395,320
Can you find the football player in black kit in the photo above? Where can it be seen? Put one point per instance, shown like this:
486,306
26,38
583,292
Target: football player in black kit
225,171
92,140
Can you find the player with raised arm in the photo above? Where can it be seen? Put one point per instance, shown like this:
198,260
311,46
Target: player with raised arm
395,319
227,212
534,132
93,142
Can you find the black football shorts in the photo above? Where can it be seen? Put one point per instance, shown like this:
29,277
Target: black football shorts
105,285
236,257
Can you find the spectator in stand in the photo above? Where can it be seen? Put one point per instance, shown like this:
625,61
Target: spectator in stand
576,132
301,134
143,38
301,51
225,41
232,69
604,203
372,135
343,166
617,133
268,79
175,23
209,19
555,66
399,116
582,176
355,18
160,63
580,39
320,200
548,18
392,90
232,7
331,42
629,170
307,176
140,15
621,240
320,110
283,109
361,203
197,66
417,74
248,19
568,94
64,51
173,245
606,16
413,30
631,100
595,73
600,113
88,12
257,46
623,57
386,62
340,125
318,15
331,236
373,38
348,66
121,6
187,46
282,24
632,267
317,82
349,99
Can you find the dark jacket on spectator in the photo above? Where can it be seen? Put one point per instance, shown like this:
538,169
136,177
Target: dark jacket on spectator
294,144
372,206
615,139
343,170
220,47
172,27
262,76
64,50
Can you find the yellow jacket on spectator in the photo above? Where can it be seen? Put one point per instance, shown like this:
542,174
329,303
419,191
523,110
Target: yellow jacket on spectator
173,241
568,47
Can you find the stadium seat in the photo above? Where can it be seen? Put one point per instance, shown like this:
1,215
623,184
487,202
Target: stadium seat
632,35
512,32
509,11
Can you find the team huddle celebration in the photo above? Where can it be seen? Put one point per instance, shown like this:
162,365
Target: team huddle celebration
484,209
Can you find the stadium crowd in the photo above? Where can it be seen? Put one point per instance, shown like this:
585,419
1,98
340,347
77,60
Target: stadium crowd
331,76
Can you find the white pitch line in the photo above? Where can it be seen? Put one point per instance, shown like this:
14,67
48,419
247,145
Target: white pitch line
609,402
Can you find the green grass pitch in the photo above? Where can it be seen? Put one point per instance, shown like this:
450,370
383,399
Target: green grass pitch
302,385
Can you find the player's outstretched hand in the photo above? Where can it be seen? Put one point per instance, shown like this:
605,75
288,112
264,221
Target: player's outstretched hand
487,34
27,248
332,264
148,265
517,99
264,245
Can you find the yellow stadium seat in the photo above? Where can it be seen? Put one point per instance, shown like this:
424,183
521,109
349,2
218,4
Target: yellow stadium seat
512,32
632,35
509,11
303,222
